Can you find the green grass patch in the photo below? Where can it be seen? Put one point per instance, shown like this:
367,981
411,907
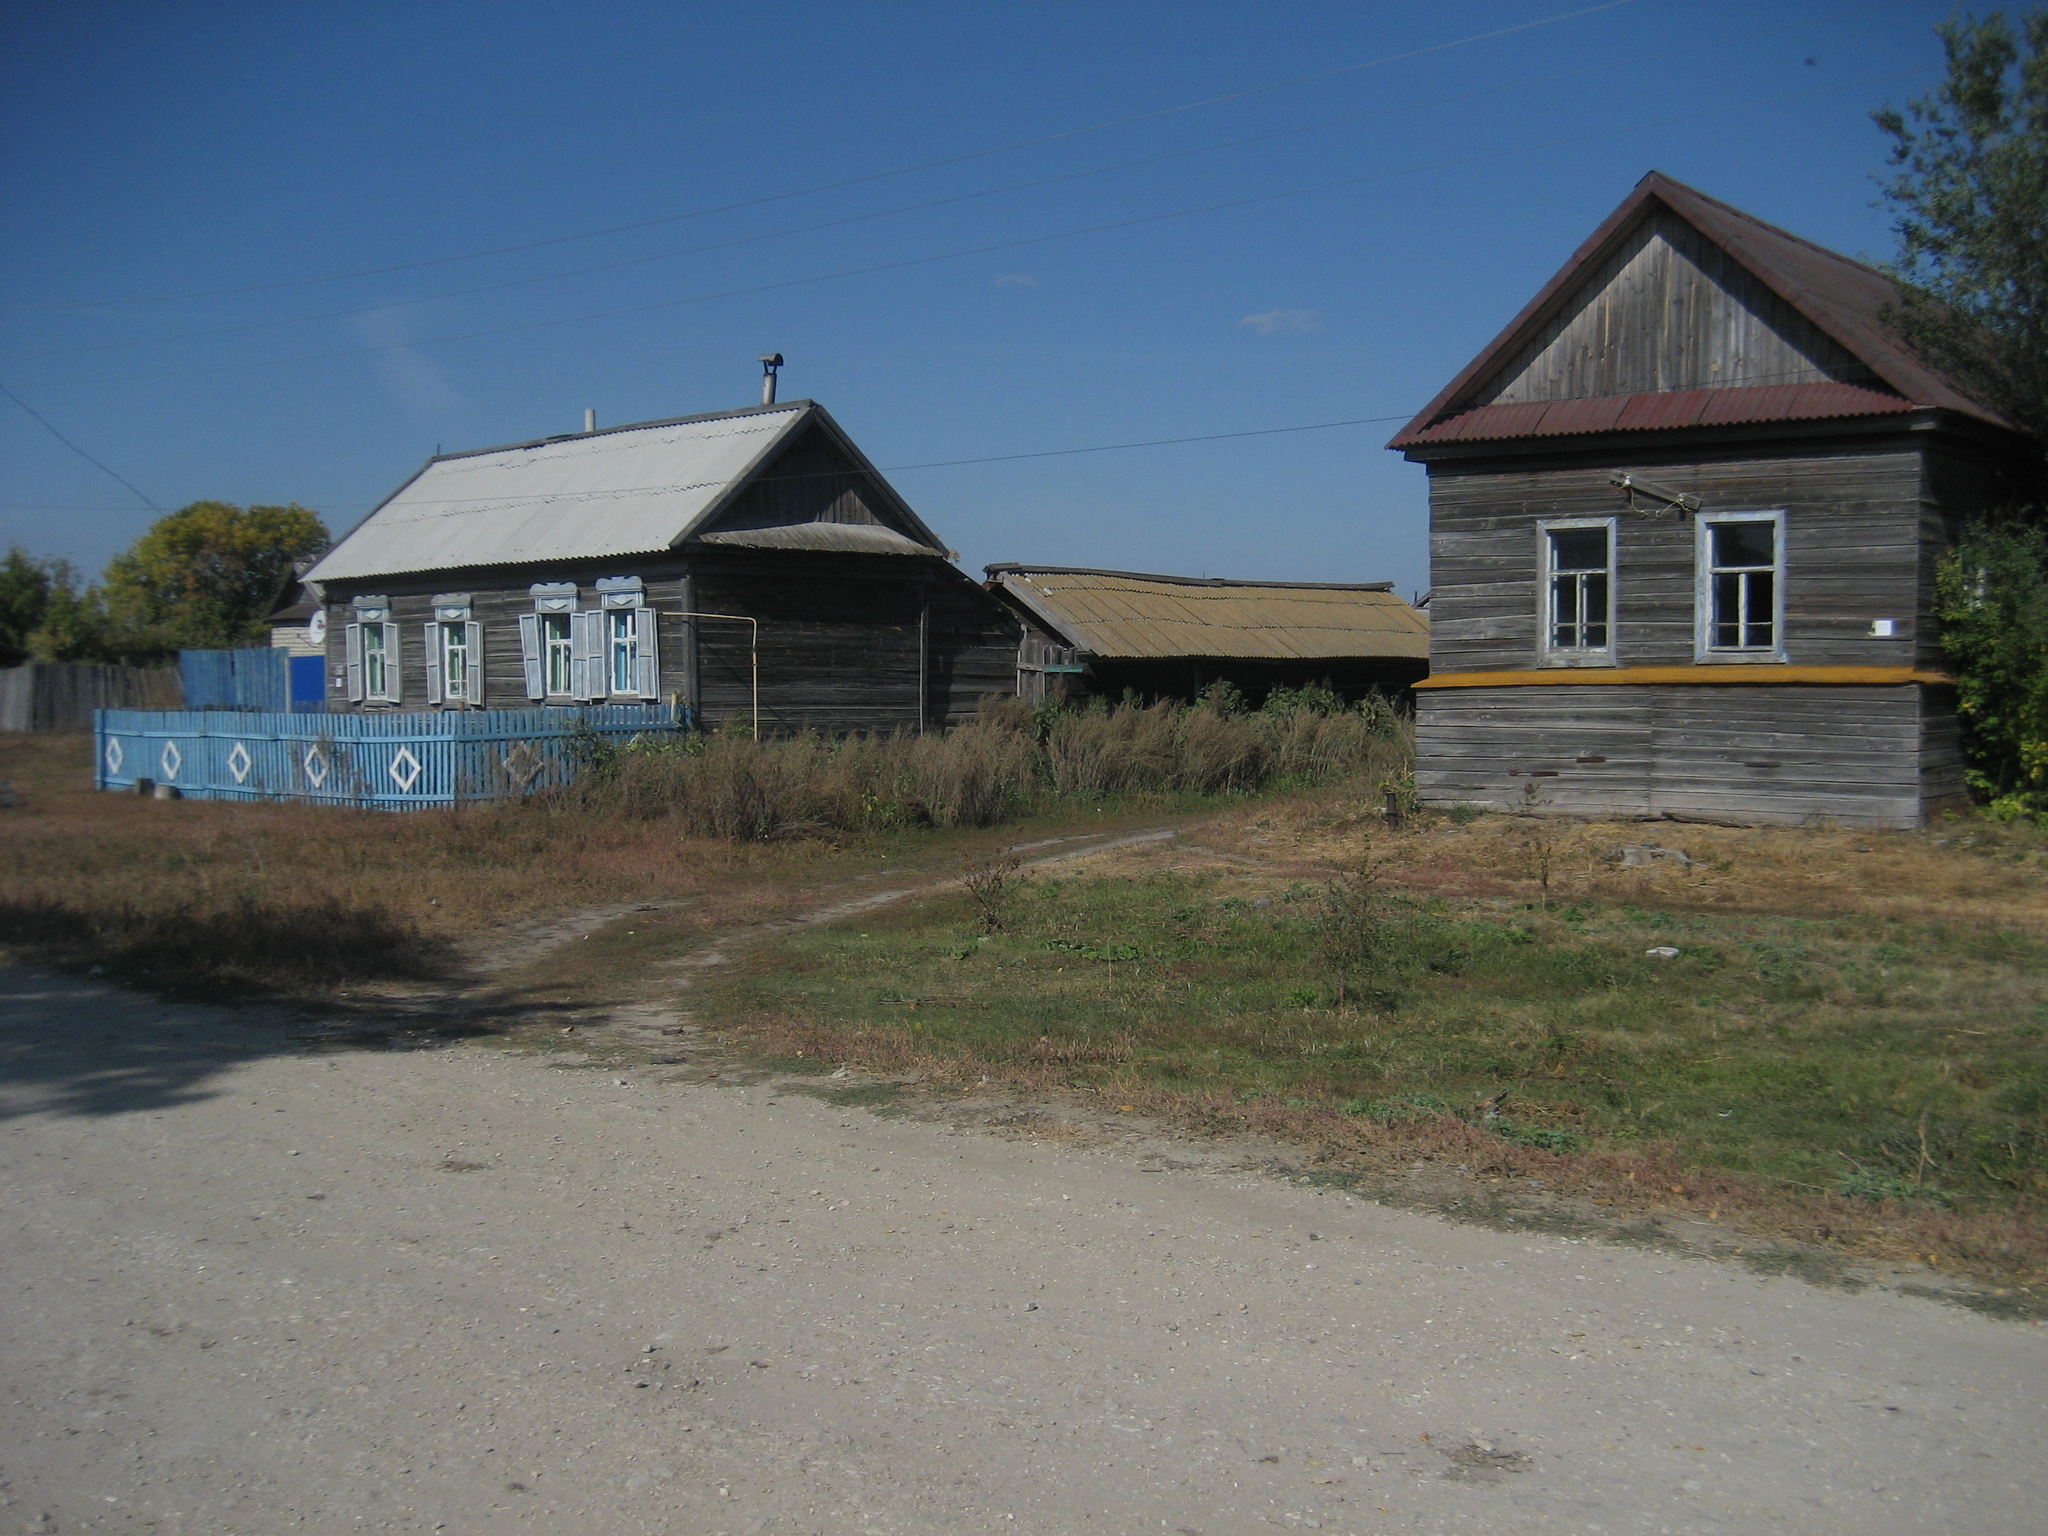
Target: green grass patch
1875,1059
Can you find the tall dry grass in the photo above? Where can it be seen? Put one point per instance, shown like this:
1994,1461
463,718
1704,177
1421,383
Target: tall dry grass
1012,760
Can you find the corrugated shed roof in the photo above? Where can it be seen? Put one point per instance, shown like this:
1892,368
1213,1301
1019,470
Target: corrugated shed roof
632,490
1844,298
1128,615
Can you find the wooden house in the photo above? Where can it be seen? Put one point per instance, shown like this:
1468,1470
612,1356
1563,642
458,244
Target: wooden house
1112,632
745,564
1685,514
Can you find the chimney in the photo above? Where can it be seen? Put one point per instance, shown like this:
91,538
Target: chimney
770,361
589,420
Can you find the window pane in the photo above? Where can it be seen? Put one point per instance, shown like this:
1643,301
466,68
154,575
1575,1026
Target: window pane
1757,631
1578,549
555,636
1593,636
622,652
1745,544
1727,624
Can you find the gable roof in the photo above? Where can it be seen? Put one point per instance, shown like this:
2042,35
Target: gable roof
1841,299
633,490
1131,616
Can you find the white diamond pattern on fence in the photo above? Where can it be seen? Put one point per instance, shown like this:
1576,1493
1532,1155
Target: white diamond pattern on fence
405,770
390,760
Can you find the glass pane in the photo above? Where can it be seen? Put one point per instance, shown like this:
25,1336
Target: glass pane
1757,631
1727,625
1578,549
1738,544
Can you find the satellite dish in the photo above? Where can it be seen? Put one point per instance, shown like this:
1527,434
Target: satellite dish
316,627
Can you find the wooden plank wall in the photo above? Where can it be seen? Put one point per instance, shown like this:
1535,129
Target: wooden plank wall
1669,310
1862,756
1853,543
62,695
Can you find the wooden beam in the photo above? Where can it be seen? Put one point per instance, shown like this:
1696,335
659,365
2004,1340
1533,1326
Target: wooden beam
1588,677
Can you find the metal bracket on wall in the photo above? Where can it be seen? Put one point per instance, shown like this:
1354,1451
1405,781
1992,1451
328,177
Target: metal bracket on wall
1630,484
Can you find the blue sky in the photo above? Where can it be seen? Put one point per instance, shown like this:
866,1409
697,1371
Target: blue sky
242,244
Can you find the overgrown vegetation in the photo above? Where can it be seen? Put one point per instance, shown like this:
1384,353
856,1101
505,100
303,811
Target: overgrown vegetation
1991,595
1014,760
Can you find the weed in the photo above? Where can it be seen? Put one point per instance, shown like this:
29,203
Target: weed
990,880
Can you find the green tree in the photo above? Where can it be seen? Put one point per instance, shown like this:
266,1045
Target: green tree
1971,199
1991,596
24,599
204,576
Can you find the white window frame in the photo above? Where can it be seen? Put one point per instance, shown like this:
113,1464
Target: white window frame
556,647
1553,655
622,651
1704,573
373,616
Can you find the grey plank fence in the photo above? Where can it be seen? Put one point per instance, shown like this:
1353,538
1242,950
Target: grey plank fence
62,695
387,761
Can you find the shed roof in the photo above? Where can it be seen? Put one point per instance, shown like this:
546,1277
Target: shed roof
1845,299
632,490
1132,616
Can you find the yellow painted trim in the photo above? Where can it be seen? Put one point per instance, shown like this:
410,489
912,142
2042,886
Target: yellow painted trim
1768,672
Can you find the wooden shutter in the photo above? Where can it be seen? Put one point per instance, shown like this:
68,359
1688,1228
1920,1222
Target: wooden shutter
433,640
579,656
473,679
529,654
394,661
646,656
352,661
597,670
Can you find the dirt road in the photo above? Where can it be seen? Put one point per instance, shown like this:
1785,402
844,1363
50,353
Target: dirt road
254,1289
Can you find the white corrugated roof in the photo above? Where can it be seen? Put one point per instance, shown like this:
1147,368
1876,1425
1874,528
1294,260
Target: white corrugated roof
626,491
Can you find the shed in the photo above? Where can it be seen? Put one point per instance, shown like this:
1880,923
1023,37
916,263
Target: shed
1685,514
1109,632
737,563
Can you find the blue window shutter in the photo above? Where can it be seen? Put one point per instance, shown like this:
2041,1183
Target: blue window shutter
529,655
647,659
352,661
473,680
433,643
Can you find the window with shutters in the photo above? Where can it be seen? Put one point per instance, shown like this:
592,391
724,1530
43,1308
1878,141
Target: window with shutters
556,651
455,659
625,650
1576,583
1741,592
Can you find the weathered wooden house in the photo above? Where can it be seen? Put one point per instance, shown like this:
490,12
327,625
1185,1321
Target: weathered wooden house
1112,632
745,564
1685,514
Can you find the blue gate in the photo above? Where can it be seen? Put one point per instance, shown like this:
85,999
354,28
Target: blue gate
390,761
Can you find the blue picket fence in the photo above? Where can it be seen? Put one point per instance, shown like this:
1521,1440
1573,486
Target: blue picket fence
388,761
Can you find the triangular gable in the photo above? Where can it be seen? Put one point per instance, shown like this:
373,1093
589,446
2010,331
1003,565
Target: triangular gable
1742,305
817,491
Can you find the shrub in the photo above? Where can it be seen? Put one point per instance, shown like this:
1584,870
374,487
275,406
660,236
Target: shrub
1991,596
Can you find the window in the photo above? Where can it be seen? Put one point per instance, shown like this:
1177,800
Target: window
556,651
1742,590
1577,576
455,659
625,650
455,652
378,662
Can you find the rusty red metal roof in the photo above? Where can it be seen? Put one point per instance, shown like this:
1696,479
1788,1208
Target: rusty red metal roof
1844,298
1663,411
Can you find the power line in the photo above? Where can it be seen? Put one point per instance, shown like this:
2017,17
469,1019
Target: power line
963,197
854,181
95,463
1661,121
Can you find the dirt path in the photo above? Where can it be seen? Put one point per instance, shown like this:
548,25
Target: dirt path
256,1287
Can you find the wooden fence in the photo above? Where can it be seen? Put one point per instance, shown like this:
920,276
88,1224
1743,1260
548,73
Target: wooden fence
62,695
388,761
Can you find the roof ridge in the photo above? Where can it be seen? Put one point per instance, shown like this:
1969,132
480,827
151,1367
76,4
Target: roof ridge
1018,567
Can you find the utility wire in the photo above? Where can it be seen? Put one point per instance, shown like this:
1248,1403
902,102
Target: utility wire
963,197
905,170
1661,121
95,463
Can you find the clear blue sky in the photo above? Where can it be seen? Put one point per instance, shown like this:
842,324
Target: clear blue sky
171,171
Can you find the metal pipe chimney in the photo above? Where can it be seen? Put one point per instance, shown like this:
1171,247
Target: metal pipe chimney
589,420
770,361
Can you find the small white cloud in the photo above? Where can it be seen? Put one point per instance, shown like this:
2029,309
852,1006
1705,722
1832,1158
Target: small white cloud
1274,321
414,379
1016,280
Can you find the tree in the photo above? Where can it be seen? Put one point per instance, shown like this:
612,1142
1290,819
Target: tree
24,598
1991,596
1971,198
205,576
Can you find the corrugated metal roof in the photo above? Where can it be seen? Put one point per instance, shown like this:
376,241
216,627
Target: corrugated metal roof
1129,615
622,491
1844,298
826,538
1661,411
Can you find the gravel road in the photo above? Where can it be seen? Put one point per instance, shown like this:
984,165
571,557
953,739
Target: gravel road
255,1289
